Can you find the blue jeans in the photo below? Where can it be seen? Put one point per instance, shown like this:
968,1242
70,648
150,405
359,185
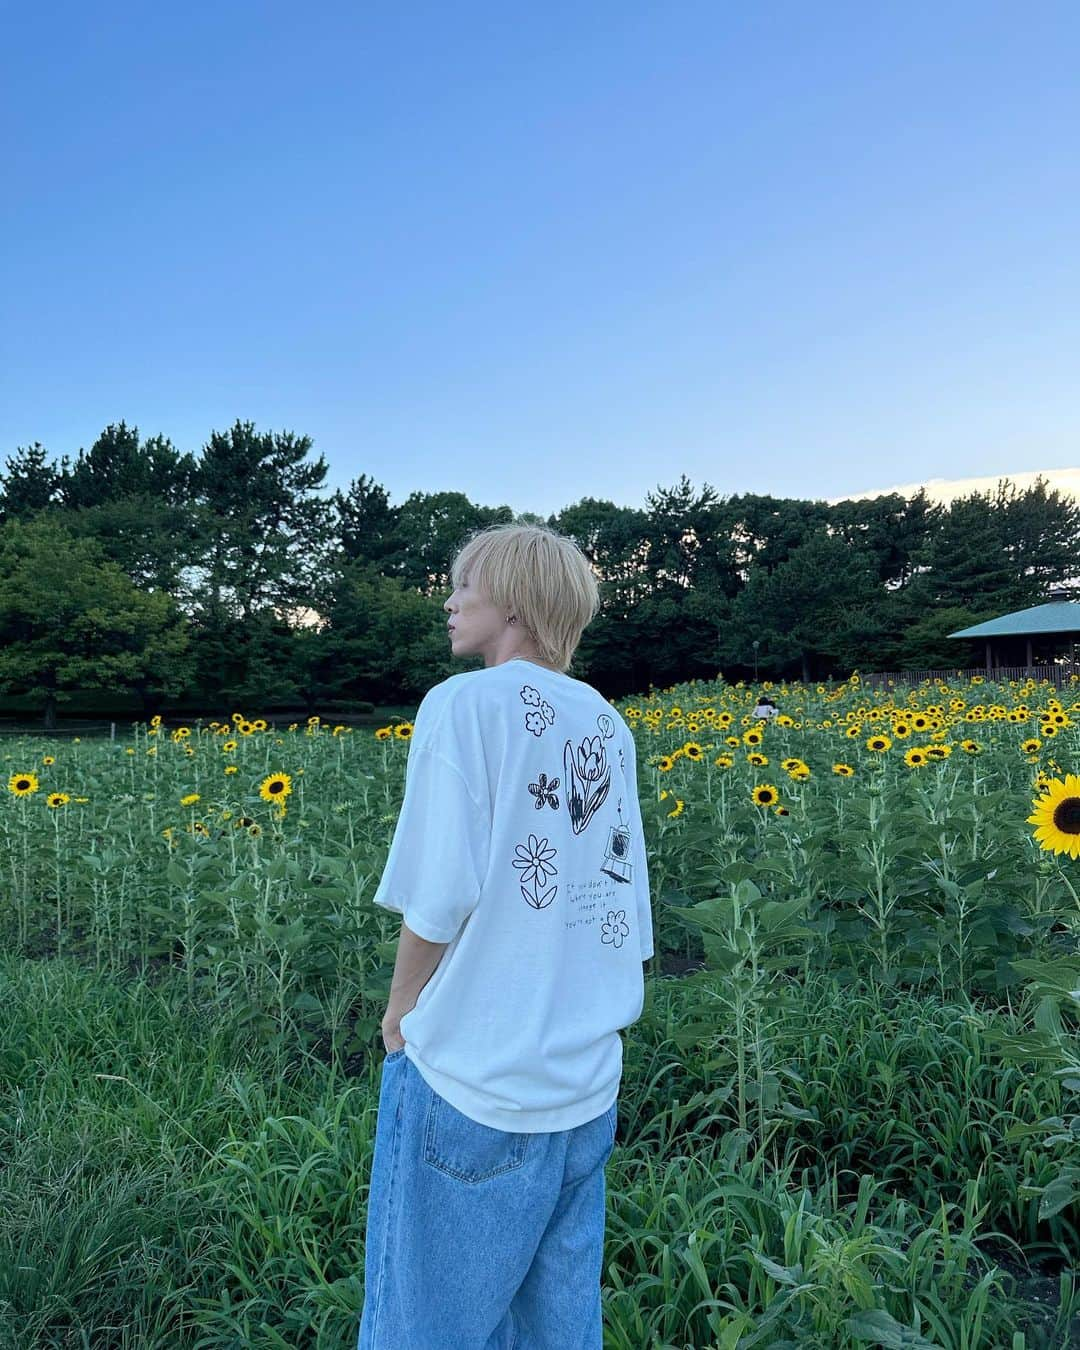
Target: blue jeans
478,1239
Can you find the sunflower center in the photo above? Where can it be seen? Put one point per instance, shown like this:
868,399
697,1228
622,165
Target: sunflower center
276,787
1067,815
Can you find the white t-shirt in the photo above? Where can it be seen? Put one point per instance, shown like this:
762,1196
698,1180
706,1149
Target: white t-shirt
520,844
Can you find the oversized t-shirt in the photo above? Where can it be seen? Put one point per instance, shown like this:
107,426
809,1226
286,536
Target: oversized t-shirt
520,844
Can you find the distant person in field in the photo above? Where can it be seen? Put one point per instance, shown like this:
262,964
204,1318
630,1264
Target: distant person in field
518,867
765,707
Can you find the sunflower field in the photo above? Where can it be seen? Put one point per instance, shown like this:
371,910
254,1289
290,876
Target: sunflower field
850,1112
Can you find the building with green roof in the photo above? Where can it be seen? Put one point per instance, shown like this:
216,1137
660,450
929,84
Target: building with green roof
1041,636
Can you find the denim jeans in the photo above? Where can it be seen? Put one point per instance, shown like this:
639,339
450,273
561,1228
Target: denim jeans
478,1239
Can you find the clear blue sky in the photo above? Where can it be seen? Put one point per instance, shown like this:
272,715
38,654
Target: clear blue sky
541,251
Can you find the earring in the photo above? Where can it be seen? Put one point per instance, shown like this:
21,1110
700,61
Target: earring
511,618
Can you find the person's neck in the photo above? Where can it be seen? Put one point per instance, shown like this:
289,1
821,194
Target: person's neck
535,661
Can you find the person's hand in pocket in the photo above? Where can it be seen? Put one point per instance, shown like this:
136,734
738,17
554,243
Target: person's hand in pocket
391,1034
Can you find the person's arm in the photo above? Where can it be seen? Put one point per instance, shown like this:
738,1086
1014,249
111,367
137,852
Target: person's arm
417,960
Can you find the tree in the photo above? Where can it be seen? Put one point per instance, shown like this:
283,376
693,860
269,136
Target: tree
765,531
133,497
29,485
431,527
890,528
267,545
266,535
967,565
384,640
1041,532
71,621
807,611
366,522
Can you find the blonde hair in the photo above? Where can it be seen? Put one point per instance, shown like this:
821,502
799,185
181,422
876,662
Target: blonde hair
541,576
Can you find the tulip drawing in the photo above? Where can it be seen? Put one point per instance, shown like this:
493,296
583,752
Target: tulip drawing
588,778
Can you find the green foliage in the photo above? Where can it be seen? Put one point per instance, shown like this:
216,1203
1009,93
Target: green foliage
850,1123
72,621
274,580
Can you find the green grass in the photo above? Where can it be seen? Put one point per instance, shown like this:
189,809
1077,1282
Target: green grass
166,1182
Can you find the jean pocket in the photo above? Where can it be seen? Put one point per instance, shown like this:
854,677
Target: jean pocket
465,1149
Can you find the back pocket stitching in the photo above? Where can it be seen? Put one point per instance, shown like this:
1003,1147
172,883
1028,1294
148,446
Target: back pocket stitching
431,1156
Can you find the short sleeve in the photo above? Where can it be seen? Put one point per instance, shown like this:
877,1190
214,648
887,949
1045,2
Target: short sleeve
439,855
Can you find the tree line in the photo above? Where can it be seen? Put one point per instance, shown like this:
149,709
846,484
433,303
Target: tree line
235,577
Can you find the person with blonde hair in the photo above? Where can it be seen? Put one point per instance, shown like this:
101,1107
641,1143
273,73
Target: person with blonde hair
518,866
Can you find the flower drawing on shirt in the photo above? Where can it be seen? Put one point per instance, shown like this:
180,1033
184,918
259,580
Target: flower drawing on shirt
544,715
588,778
615,928
606,725
535,862
544,791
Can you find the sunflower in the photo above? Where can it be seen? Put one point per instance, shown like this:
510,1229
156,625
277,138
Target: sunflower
383,734
757,760
733,741
970,747
901,730
259,724
692,750
752,737
55,799
48,759
914,757
190,799
1057,816
723,761
275,788
879,743
679,804
231,768
843,770
764,794
23,784
781,810
255,830
404,731
853,731
938,751
1032,746
245,728
665,763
